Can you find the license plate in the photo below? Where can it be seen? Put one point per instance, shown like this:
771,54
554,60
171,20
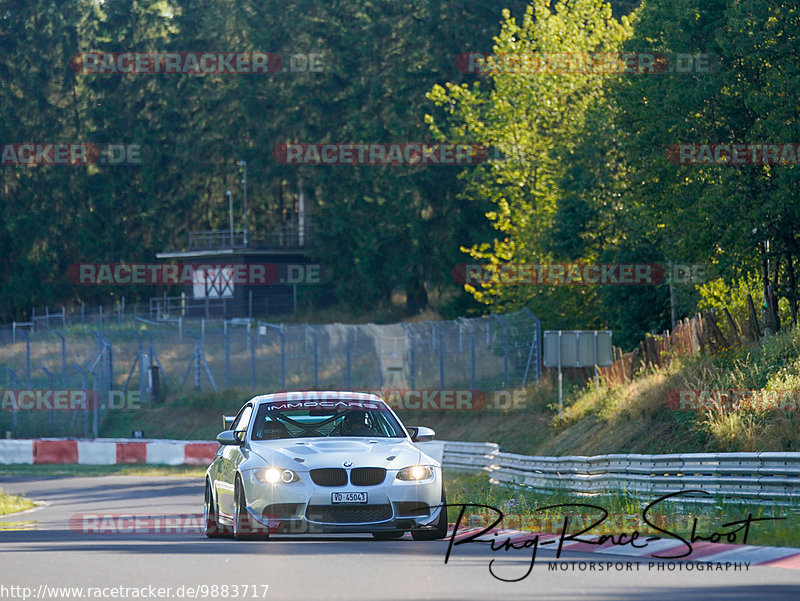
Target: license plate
347,498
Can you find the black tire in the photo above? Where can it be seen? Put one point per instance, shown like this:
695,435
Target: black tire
243,528
213,528
440,531
388,534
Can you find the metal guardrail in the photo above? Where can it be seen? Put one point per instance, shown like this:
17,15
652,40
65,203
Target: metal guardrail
758,476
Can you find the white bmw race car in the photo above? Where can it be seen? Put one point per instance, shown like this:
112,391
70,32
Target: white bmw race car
323,462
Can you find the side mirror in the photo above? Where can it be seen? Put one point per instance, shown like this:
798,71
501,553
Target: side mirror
421,434
228,437
227,421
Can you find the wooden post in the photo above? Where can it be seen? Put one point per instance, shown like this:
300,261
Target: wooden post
754,329
735,331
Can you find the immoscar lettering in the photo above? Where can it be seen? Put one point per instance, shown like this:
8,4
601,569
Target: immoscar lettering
323,404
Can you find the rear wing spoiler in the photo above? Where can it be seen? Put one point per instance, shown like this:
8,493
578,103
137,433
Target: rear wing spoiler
227,421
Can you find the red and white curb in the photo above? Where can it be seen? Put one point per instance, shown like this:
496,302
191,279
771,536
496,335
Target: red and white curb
106,451
774,557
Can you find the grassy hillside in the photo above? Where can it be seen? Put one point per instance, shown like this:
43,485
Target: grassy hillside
633,418
636,417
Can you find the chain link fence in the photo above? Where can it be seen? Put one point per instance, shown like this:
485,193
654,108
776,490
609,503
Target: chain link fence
116,359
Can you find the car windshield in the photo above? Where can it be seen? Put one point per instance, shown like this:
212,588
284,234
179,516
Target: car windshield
329,418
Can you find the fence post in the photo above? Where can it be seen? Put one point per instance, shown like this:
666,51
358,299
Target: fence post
227,355
410,355
197,352
283,358
472,360
316,358
85,387
441,358
251,344
96,404
502,323
348,351
27,359
13,377
63,359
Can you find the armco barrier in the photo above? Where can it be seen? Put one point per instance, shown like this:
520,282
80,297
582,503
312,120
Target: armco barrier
106,451
752,476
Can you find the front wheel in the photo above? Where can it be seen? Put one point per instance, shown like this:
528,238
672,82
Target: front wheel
440,531
242,524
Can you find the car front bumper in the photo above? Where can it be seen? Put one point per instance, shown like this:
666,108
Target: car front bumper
304,507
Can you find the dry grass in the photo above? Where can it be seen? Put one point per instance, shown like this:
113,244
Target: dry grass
13,503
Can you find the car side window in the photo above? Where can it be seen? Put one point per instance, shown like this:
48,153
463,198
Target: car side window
242,421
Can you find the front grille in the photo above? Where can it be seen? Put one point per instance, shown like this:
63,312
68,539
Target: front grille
412,508
367,476
281,510
329,476
348,514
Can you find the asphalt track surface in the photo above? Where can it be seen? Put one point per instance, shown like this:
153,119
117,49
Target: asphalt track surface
301,568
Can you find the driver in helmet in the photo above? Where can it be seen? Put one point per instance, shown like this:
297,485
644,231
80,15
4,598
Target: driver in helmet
357,423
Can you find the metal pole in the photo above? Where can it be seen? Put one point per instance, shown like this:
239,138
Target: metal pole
283,358
230,213
63,360
227,357
13,377
251,344
411,356
243,163
441,359
560,381
197,364
347,350
316,358
95,387
27,359
472,360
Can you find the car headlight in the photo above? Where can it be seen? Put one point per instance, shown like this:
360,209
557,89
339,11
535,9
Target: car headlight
416,472
273,475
